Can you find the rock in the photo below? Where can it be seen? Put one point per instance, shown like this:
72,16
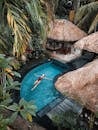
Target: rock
64,30
81,85
82,60
20,123
89,43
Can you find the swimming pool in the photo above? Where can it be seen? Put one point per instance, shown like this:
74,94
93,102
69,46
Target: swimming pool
45,92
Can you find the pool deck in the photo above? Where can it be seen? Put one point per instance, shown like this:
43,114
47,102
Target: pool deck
59,105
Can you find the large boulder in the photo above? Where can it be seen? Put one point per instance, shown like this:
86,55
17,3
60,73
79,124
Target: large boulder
89,43
81,85
64,30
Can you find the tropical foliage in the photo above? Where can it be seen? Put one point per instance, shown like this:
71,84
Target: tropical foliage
7,83
22,23
23,27
3,122
6,79
26,109
66,120
72,121
85,16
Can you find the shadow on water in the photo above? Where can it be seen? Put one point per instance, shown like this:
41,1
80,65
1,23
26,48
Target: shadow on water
85,58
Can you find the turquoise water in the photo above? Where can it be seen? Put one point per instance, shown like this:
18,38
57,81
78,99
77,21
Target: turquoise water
45,92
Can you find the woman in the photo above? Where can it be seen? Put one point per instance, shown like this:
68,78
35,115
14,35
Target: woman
38,81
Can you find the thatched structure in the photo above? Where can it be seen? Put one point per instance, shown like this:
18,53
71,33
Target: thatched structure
64,30
89,43
81,85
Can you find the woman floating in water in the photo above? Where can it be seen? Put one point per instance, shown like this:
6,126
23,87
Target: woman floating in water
36,83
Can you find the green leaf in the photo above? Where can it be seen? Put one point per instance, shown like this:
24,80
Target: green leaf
2,55
31,109
22,102
9,59
6,101
13,107
13,85
23,114
3,122
28,107
16,74
13,117
96,114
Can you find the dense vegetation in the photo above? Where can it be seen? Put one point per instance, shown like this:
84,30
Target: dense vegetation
23,30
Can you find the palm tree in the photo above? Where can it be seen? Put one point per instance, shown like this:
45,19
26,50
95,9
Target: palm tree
24,25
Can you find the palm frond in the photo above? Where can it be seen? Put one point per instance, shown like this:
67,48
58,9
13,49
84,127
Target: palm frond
82,11
1,11
22,33
4,46
38,17
93,25
85,15
28,22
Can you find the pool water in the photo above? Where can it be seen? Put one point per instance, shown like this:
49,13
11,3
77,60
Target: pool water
45,92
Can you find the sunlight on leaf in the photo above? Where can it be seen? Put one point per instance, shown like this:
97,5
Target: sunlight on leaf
21,30
13,107
29,117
